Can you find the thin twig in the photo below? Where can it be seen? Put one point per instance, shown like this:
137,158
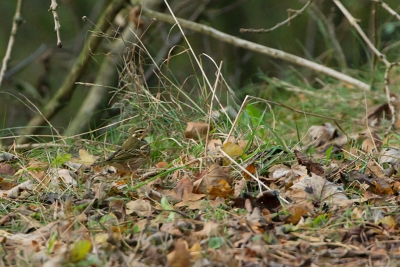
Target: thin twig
57,26
16,22
296,14
388,9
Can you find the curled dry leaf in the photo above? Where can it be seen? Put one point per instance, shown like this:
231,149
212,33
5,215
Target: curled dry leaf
180,256
296,212
213,144
7,169
184,186
161,165
239,186
282,172
215,183
311,165
376,114
320,134
390,155
371,142
197,130
316,188
14,192
140,206
210,229
64,174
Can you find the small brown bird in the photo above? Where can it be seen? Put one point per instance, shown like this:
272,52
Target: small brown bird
133,152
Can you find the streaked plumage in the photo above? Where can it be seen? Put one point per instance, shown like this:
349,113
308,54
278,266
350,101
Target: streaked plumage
133,152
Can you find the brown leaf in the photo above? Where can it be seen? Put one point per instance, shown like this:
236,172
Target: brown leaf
376,114
140,206
371,142
215,183
184,186
283,172
311,165
239,187
161,165
197,130
296,212
317,188
210,229
223,190
320,134
7,219
251,169
7,169
382,187
213,144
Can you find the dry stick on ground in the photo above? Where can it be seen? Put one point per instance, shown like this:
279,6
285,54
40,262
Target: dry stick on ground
17,20
381,57
64,93
275,53
57,26
296,14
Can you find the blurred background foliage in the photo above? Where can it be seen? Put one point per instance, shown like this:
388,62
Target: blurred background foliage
246,72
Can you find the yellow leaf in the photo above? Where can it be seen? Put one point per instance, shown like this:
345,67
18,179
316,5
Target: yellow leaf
80,249
232,150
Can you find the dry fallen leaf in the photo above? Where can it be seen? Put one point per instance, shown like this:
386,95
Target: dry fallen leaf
216,183
320,134
376,114
84,158
311,165
196,130
317,188
282,172
140,206
180,256
371,142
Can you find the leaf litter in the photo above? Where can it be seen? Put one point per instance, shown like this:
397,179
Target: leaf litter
331,206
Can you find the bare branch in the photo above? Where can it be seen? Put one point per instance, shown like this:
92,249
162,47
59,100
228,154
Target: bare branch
16,22
354,23
296,14
388,9
275,53
57,26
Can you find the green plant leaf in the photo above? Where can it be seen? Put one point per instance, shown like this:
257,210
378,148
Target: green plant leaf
60,160
215,242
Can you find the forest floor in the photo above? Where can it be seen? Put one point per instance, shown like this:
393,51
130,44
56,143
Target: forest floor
254,197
